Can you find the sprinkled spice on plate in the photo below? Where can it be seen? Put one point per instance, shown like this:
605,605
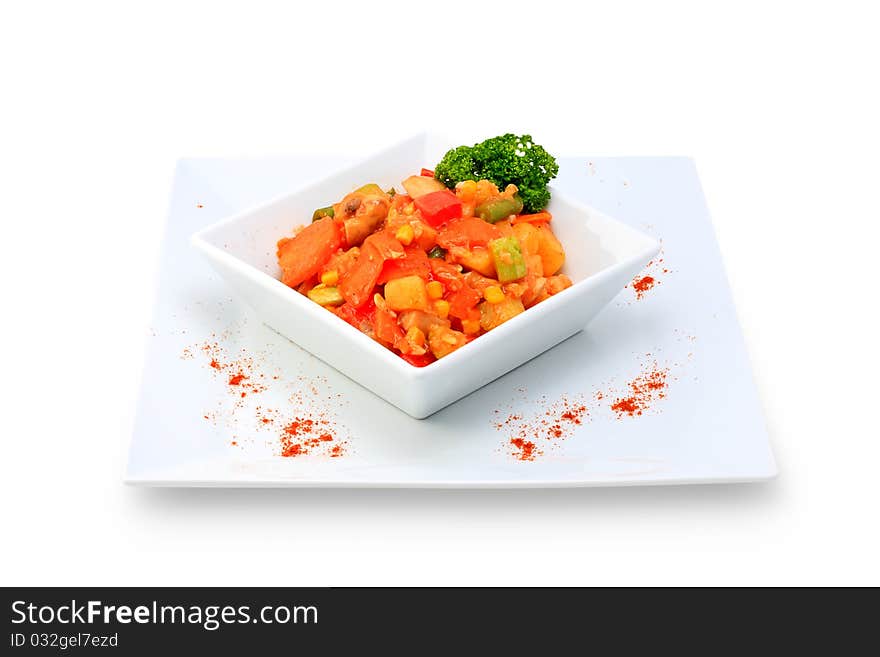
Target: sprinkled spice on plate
548,423
541,425
304,435
642,285
310,429
525,450
649,278
646,388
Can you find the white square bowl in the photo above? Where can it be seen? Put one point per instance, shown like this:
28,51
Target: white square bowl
602,256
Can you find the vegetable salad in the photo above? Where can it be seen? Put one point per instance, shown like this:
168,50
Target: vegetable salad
426,271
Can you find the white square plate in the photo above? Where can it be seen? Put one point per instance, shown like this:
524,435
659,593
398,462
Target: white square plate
701,422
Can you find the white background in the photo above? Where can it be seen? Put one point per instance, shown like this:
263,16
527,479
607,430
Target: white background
777,102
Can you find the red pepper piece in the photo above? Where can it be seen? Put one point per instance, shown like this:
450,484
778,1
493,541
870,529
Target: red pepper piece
439,207
418,361
361,318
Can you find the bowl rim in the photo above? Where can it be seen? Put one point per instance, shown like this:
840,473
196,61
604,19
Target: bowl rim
200,241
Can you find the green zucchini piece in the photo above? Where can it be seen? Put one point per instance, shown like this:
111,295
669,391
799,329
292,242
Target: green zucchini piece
320,213
508,258
495,211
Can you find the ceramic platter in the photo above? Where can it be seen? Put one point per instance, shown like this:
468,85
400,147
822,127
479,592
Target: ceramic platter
656,390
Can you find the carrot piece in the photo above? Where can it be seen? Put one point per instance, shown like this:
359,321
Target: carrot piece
386,244
302,256
467,232
357,285
537,218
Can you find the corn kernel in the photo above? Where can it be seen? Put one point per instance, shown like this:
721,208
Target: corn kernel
330,278
493,294
415,336
435,289
467,190
470,326
441,307
405,234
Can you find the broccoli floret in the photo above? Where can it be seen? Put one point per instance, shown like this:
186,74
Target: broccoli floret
457,165
507,159
518,160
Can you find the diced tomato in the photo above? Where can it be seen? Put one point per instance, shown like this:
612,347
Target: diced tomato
400,201
442,268
301,256
386,244
387,329
418,361
467,232
414,263
341,261
427,172
463,301
361,318
439,207
426,236
308,284
446,273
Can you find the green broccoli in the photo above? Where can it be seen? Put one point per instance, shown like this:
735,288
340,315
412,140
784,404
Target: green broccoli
507,159
518,160
457,165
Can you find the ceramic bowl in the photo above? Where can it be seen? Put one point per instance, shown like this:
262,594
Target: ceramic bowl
602,256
